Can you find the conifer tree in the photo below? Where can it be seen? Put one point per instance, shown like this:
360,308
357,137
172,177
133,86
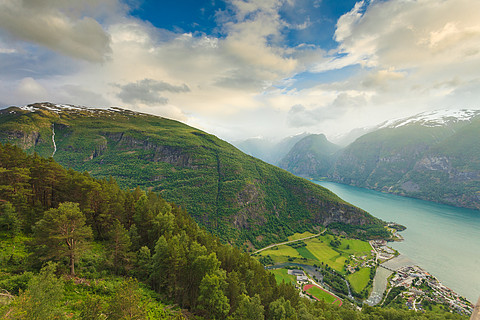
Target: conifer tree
63,233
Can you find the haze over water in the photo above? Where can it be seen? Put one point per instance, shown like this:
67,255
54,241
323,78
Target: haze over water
442,239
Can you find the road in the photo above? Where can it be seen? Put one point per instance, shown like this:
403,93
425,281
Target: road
287,242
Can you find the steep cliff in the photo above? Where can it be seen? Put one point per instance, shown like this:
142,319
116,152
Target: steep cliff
432,156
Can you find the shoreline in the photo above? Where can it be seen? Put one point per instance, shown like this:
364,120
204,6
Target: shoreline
441,239
406,273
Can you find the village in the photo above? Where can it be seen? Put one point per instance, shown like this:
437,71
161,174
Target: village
310,289
422,289
405,285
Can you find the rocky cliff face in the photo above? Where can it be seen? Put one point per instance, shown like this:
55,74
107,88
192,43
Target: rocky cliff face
433,156
429,158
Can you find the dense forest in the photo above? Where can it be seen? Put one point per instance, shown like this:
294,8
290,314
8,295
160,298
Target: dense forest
73,247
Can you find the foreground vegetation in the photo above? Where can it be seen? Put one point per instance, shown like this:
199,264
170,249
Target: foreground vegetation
136,256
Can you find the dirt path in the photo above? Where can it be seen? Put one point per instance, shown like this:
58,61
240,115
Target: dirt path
286,242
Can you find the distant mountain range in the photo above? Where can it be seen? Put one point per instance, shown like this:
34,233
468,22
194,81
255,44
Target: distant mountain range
433,156
240,198
312,154
268,150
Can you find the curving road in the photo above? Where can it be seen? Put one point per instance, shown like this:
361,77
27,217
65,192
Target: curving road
287,242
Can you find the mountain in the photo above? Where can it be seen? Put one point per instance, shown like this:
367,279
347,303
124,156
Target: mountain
433,156
239,198
120,238
312,156
267,150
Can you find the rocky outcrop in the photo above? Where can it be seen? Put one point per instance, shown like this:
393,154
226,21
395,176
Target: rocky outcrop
433,163
25,140
161,153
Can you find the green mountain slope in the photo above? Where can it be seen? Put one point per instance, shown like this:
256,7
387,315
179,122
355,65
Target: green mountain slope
432,156
436,160
239,198
312,157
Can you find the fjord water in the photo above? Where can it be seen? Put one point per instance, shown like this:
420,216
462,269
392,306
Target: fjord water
443,240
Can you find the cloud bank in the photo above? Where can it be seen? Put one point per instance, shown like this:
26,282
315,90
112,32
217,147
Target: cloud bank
245,78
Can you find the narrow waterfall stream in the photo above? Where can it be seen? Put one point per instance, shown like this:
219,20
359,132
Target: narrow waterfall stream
53,140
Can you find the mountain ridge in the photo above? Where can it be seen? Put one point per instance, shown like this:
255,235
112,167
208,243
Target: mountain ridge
432,156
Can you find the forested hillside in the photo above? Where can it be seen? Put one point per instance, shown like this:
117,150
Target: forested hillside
74,247
239,198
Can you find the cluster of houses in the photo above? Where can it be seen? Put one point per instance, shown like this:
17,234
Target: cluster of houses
360,262
423,286
383,252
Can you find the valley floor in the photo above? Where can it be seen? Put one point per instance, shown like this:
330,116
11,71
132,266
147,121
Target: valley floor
333,268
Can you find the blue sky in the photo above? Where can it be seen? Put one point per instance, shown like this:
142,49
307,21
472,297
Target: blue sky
202,17
245,68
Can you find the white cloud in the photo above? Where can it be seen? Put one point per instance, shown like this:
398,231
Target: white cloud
28,90
410,34
415,56
57,25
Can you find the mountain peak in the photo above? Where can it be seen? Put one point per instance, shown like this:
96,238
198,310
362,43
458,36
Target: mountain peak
435,118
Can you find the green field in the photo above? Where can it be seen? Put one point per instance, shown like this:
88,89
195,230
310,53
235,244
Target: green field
281,275
297,236
359,280
304,252
356,247
281,254
322,295
319,250
326,254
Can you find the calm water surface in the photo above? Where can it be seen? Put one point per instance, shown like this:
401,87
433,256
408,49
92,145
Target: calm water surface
442,239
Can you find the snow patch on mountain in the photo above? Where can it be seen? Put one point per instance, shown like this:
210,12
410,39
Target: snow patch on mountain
28,108
436,118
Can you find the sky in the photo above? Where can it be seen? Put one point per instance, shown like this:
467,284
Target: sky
245,68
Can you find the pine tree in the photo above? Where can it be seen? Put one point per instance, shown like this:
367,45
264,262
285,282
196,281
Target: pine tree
63,233
119,247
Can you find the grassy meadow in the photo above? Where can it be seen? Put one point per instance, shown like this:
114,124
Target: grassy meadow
321,294
321,251
281,275
359,280
297,236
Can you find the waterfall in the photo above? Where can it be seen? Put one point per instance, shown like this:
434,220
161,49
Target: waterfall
53,140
